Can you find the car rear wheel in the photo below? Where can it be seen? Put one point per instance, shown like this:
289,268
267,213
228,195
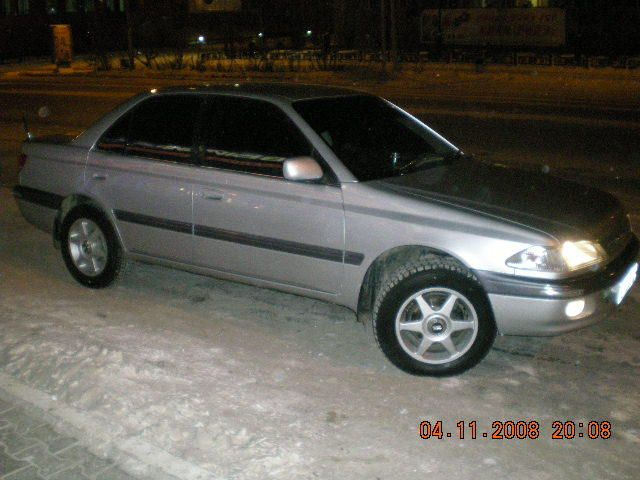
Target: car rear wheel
90,248
433,318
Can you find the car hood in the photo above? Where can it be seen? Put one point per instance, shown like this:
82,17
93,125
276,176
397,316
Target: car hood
557,207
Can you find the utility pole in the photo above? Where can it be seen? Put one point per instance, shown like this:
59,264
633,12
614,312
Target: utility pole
130,51
439,34
383,36
393,33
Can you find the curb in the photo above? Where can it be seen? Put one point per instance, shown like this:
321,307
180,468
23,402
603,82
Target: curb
134,455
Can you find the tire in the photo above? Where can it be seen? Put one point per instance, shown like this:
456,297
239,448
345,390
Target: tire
433,318
90,248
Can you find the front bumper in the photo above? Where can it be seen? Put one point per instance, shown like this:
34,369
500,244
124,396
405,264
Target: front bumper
538,307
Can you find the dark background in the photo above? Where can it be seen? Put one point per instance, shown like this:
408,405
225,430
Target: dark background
594,27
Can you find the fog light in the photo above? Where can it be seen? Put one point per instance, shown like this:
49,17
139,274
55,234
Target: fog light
574,308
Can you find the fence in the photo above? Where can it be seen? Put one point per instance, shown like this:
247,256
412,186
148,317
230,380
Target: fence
210,59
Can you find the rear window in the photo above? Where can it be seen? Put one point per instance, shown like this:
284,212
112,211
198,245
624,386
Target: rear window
163,127
160,127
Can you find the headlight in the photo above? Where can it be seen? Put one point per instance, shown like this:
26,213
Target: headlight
582,254
568,257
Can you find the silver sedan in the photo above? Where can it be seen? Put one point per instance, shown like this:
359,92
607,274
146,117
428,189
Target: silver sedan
336,195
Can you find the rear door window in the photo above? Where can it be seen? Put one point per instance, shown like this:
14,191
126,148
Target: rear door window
249,135
163,128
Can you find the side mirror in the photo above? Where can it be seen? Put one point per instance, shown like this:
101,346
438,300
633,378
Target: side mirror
299,169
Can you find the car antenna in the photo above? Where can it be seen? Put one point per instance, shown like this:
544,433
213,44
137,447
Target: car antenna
25,125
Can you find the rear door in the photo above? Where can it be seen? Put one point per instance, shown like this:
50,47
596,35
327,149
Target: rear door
141,170
248,219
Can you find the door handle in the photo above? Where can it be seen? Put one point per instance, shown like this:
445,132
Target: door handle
212,195
99,176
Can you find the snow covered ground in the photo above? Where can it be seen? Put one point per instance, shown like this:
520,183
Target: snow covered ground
202,378
199,378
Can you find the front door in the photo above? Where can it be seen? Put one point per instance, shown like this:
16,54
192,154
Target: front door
249,220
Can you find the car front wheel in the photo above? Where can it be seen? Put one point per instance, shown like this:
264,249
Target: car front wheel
433,318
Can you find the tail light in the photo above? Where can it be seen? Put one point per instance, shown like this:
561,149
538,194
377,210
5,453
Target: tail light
22,160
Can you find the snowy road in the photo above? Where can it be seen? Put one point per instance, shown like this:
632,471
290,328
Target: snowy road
202,378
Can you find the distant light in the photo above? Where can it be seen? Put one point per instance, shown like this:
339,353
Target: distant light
261,34
309,32
154,90
201,39
236,85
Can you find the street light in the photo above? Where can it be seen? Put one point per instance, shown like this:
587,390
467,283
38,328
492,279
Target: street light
309,32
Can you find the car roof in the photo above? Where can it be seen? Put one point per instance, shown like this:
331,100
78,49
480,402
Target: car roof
286,91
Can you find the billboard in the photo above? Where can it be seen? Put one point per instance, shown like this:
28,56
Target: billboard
213,6
531,27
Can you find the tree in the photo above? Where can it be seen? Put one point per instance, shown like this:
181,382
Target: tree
393,32
383,36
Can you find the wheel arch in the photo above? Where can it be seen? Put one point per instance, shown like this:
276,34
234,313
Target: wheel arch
386,263
77,199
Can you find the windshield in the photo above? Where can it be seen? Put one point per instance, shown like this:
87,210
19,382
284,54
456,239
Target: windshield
373,138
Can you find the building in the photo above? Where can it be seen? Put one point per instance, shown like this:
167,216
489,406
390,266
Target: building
590,26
